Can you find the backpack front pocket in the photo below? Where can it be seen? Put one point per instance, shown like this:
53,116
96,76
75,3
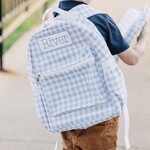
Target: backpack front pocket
72,88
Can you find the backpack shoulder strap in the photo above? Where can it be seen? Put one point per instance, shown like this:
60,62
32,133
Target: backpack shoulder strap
85,10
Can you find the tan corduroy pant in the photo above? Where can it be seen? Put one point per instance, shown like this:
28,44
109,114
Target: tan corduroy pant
102,136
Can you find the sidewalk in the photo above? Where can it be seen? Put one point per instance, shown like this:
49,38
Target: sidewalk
20,128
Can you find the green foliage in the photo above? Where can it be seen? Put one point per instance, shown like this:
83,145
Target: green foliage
24,27
3,8
5,25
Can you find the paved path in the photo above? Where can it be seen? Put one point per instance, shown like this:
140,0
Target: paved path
20,128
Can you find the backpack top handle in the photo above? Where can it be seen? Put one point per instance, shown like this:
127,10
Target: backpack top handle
65,15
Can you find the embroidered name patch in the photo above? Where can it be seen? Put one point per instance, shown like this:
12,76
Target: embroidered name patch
55,41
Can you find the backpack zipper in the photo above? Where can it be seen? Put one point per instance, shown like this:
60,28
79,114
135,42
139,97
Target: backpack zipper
50,73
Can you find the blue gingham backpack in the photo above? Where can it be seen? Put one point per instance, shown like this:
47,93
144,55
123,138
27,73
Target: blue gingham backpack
75,80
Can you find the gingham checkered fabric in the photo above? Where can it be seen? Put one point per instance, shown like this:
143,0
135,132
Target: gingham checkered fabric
132,22
75,80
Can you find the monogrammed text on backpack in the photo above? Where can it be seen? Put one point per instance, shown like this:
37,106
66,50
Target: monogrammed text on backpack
55,41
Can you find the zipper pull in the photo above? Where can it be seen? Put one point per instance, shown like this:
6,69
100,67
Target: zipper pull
38,78
37,83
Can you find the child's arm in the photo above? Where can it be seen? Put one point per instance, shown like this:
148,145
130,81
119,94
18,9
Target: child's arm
132,56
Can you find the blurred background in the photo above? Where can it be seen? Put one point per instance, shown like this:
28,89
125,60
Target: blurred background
20,128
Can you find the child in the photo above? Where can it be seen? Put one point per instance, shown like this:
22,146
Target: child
103,136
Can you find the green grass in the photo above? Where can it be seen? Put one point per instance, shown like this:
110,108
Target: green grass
24,27
5,25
